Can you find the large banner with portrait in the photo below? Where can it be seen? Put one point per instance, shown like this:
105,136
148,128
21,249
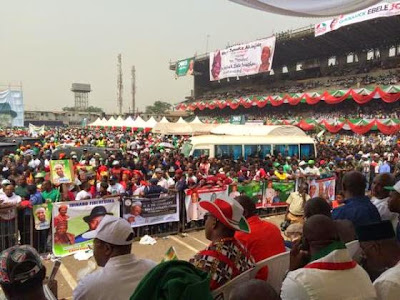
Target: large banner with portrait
383,9
276,193
184,67
241,60
61,171
12,108
144,211
193,196
324,188
72,219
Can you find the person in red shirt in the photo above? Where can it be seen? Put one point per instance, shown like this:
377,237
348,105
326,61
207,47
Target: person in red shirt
264,240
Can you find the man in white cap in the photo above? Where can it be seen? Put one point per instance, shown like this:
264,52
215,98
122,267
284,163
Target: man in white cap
225,258
4,183
121,272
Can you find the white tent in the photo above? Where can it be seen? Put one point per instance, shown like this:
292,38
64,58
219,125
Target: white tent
150,123
139,123
308,8
129,122
96,123
164,120
181,121
111,122
196,121
119,122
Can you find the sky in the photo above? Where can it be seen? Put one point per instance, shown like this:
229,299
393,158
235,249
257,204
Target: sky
47,45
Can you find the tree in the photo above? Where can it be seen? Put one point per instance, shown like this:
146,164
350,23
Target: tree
158,108
89,109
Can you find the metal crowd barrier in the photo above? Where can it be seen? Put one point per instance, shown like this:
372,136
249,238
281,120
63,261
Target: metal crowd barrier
8,227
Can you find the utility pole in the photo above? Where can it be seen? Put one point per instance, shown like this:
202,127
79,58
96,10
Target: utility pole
120,86
133,77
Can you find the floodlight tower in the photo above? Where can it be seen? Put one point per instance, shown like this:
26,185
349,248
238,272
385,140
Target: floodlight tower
133,77
119,84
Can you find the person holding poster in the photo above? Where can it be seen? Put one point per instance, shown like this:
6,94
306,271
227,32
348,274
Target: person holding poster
60,171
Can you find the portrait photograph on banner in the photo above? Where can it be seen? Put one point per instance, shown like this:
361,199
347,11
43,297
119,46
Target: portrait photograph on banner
61,171
144,211
184,67
42,216
242,60
71,220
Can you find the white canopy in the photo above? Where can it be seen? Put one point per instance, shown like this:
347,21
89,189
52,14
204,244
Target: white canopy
119,122
139,123
151,122
96,123
129,122
308,8
181,121
111,122
196,121
164,120
183,129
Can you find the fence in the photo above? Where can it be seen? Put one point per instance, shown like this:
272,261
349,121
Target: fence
60,226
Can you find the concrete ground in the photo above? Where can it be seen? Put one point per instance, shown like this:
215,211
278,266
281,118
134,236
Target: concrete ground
185,246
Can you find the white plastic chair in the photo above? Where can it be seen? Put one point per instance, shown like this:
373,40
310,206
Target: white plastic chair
354,249
277,265
224,291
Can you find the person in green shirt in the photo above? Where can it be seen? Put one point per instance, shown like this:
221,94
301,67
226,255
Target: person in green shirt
22,188
287,167
49,193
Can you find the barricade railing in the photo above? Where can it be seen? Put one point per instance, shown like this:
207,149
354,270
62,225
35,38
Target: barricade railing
8,227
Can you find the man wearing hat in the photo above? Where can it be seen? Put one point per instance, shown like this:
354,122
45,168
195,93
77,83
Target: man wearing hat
121,271
312,170
4,183
115,188
22,273
225,258
93,220
382,258
161,180
394,204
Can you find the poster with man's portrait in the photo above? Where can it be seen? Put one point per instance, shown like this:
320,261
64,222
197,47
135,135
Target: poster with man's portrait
71,220
61,171
42,216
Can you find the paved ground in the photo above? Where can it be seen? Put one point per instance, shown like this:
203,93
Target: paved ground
185,246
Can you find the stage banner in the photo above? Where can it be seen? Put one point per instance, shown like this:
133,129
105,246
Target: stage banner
72,219
35,131
380,10
254,190
193,196
237,120
324,188
184,67
144,211
241,60
61,171
276,193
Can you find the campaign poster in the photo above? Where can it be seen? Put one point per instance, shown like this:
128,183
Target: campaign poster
12,108
276,193
254,190
185,67
42,216
383,9
143,211
61,171
70,220
193,196
324,188
242,60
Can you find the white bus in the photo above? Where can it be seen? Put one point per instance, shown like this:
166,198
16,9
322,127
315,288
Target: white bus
235,141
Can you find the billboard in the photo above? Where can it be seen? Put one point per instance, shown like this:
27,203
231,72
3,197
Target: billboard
241,60
380,10
11,108
184,67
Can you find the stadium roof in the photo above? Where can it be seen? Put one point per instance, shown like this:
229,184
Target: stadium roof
294,46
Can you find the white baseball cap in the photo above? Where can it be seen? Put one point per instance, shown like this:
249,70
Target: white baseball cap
112,230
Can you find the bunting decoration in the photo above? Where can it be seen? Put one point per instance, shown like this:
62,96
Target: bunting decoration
388,94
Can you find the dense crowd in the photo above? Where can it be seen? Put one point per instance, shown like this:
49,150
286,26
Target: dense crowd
108,163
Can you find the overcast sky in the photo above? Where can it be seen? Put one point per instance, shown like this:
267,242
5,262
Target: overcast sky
49,44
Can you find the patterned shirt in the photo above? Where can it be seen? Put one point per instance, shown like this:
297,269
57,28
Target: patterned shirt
223,260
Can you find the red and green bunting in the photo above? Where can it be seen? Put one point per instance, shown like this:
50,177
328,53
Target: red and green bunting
388,94
359,126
